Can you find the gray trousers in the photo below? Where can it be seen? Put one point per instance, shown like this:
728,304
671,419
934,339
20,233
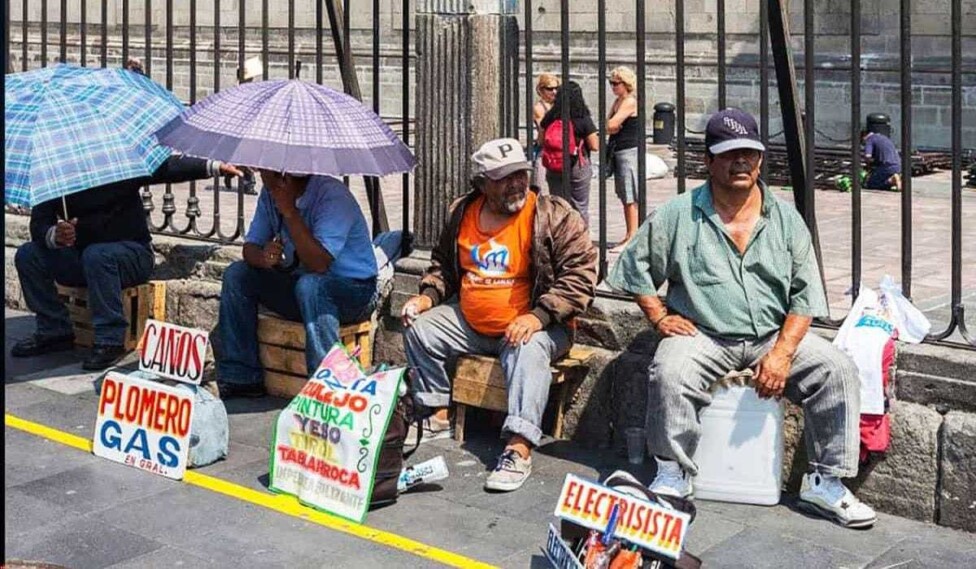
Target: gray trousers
823,380
579,188
441,334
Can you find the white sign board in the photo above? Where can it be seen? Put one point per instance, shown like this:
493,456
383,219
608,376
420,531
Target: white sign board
144,424
172,351
559,554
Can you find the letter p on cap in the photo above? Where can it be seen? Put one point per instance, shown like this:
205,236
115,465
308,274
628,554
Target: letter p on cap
504,149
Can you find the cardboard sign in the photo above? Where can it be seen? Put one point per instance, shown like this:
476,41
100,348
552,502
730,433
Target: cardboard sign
172,351
559,554
644,523
326,442
144,424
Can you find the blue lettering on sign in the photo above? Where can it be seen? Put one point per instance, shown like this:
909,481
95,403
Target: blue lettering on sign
868,321
111,439
138,438
169,449
558,553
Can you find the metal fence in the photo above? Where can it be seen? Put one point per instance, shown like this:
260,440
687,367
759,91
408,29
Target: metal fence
773,29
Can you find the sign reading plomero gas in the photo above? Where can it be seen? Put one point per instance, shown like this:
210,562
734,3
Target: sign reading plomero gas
641,522
173,351
144,424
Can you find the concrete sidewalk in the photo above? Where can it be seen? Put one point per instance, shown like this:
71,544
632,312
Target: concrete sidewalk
67,507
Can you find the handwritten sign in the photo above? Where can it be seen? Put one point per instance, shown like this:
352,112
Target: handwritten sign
173,351
327,440
144,424
559,554
645,523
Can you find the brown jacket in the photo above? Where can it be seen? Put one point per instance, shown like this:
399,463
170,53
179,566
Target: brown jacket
563,260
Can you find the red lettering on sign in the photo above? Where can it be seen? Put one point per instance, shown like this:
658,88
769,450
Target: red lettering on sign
110,390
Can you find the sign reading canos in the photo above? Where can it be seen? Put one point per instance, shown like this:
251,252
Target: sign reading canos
144,424
173,351
326,442
645,523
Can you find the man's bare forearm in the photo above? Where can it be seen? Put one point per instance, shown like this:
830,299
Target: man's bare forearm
254,256
794,328
652,307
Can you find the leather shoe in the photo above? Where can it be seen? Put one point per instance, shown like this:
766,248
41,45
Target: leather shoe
37,345
102,357
245,390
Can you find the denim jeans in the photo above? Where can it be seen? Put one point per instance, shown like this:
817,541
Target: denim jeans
104,268
823,380
441,334
321,301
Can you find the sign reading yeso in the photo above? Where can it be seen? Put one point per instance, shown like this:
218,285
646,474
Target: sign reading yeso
173,351
144,424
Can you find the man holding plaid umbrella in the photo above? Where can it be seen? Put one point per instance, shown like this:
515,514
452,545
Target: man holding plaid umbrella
104,246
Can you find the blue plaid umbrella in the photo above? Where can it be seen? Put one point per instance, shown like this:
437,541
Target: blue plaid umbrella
289,126
71,128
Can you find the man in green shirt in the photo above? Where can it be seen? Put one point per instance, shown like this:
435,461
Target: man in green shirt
743,289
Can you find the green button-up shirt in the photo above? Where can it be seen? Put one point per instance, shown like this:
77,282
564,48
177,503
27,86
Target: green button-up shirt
725,293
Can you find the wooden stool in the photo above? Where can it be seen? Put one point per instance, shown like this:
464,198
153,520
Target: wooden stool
281,347
139,303
479,382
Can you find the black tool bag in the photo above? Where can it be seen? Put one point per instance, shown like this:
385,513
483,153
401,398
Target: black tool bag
574,534
393,453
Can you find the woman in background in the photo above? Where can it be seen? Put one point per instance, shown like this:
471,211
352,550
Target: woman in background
546,87
578,165
625,133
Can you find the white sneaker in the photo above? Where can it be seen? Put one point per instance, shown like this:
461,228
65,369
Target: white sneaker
827,496
671,480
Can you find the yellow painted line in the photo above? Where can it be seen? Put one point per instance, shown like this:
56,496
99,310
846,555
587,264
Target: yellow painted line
287,505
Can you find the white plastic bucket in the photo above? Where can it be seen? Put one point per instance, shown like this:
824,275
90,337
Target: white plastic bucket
740,455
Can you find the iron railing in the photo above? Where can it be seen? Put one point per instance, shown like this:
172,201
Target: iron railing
95,48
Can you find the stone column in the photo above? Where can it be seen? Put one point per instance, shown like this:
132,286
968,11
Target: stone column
467,94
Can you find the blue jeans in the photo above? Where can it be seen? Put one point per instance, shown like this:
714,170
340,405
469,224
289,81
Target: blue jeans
441,334
878,179
104,268
321,301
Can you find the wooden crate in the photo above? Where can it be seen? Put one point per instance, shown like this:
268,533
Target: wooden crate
479,382
281,347
139,303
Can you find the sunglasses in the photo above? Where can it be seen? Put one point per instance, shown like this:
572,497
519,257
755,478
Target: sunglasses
615,83
550,88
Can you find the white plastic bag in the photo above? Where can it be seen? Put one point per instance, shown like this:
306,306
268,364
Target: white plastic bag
912,325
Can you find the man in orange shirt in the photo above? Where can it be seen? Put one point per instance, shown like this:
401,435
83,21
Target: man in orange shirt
511,271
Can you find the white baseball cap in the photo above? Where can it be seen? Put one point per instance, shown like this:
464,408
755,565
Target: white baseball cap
499,158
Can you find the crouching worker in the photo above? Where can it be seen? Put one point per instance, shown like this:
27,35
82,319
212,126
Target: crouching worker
307,257
104,245
743,289
510,272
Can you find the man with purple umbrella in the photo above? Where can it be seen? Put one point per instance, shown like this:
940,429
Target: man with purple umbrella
307,256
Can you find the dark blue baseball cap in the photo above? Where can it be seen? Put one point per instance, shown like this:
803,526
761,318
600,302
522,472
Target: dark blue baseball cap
732,129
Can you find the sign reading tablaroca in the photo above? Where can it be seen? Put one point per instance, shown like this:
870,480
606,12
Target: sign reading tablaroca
644,523
173,351
327,440
144,424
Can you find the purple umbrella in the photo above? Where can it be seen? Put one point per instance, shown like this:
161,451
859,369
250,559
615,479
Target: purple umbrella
289,126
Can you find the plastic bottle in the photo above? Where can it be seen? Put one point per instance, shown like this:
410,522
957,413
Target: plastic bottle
423,473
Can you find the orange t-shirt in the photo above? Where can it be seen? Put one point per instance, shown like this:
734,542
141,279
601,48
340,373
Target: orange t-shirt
496,281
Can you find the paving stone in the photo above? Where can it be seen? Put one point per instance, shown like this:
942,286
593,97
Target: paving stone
754,547
930,546
82,544
29,458
97,486
30,512
168,557
957,495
